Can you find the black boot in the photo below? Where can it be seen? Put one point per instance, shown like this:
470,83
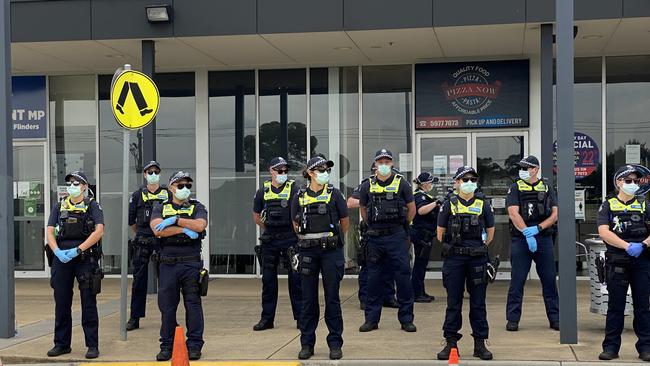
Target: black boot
306,352
263,325
133,324
480,350
450,343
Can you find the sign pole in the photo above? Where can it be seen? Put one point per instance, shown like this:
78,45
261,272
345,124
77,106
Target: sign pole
124,282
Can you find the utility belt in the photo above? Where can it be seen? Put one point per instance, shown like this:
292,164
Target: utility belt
175,260
94,253
615,263
449,250
325,243
145,240
267,238
92,280
385,231
179,240
426,236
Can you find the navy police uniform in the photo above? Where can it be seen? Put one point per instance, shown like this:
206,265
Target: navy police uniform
385,203
535,202
73,224
318,216
423,231
465,262
389,280
274,206
180,266
629,221
145,243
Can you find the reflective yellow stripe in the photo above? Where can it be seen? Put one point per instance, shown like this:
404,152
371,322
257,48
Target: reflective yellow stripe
617,206
163,195
169,210
324,197
67,205
283,195
476,208
539,187
392,187
424,193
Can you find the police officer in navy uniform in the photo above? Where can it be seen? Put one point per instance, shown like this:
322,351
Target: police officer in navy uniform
386,204
423,230
623,225
180,226
321,220
272,213
74,228
145,243
389,282
532,207
462,222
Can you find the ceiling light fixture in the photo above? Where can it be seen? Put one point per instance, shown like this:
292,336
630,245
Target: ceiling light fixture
159,13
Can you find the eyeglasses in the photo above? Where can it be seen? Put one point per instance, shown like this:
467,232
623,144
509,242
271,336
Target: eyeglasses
524,168
73,183
467,179
184,185
323,170
282,171
630,181
152,172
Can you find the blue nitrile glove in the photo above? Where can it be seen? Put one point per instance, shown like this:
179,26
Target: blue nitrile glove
530,231
61,255
166,222
635,249
532,244
190,233
71,253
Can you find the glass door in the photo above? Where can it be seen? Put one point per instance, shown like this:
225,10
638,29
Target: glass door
493,154
30,206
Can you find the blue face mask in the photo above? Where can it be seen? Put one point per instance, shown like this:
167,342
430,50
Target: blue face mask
322,178
384,169
153,178
281,178
524,174
182,194
630,189
74,191
468,187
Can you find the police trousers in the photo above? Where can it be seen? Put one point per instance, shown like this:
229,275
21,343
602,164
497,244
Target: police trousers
174,279
62,281
521,259
421,260
388,283
389,251
330,264
141,257
619,277
274,253
458,273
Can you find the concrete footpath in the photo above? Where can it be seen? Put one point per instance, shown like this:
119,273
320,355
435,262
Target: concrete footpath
233,307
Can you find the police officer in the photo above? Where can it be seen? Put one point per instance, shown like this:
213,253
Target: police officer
140,208
423,230
389,280
386,204
532,207
321,221
74,228
180,226
462,220
272,213
622,224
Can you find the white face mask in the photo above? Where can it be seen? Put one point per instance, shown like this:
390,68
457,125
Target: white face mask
468,187
322,178
630,189
384,169
74,191
153,178
281,178
524,174
182,194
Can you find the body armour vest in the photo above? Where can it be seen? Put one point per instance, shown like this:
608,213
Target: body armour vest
465,222
187,211
385,204
75,221
277,211
315,215
143,215
628,220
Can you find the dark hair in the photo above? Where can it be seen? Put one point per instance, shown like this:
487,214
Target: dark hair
305,174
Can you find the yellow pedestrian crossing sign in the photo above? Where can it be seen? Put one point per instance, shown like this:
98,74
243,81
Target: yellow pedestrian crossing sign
134,99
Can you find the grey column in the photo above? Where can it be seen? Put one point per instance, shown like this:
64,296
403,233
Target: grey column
546,98
565,174
149,139
7,291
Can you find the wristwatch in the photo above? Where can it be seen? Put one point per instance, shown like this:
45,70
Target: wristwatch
539,227
79,251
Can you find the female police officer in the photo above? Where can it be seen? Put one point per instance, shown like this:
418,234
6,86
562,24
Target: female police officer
74,228
423,230
321,220
461,222
272,213
621,223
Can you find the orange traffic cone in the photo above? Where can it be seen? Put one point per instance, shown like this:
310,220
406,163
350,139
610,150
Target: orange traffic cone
453,356
179,354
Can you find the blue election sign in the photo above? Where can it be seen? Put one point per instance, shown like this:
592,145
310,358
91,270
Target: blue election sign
29,101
